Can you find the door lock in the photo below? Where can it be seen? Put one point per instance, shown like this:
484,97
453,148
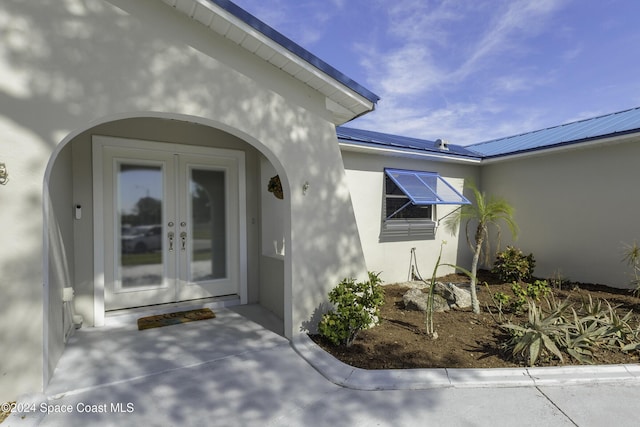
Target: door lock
183,238
170,236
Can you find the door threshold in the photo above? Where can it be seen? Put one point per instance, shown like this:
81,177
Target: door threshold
130,315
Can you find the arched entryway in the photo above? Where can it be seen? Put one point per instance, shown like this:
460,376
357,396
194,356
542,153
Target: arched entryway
200,158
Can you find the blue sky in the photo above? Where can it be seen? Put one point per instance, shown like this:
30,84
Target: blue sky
472,70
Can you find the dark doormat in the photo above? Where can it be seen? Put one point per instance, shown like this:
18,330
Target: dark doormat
160,320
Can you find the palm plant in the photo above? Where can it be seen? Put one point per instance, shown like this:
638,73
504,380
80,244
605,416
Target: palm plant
485,211
632,258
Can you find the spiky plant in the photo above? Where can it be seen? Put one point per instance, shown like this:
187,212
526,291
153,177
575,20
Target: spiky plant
632,258
539,335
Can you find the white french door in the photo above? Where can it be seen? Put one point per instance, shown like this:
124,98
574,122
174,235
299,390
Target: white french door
172,219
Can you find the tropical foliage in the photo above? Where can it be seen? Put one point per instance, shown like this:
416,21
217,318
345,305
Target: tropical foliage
512,265
357,307
558,328
486,212
632,258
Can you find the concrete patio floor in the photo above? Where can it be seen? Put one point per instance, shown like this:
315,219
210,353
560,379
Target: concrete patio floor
231,371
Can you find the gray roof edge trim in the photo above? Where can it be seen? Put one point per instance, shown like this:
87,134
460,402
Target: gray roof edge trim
295,48
564,145
407,152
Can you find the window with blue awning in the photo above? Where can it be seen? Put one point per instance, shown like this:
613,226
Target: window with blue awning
423,189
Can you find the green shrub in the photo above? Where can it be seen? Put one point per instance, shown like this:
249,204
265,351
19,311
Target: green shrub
512,265
537,289
357,307
519,298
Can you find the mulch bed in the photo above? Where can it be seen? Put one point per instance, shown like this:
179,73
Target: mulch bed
465,339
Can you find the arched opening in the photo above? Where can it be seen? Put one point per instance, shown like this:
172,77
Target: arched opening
71,220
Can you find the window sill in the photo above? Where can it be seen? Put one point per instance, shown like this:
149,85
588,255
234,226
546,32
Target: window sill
274,255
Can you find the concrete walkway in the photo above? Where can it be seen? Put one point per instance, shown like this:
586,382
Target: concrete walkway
230,371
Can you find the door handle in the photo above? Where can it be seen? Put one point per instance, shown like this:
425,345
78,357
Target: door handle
170,236
183,238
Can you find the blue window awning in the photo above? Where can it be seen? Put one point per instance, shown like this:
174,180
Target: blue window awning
426,188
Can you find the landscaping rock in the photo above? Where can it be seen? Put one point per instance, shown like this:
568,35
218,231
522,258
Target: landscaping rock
447,295
413,284
455,296
415,299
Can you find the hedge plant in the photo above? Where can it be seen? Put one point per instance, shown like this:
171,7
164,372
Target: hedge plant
356,307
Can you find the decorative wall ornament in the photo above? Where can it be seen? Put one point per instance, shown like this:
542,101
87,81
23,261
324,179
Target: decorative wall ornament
275,187
4,175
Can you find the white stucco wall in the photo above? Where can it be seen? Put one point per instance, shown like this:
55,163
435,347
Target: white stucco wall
272,246
574,208
392,258
21,304
69,65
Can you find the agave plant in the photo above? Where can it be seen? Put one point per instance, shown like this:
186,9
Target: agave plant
618,332
598,326
540,333
582,336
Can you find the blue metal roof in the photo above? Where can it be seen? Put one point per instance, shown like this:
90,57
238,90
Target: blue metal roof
295,48
386,140
615,124
609,125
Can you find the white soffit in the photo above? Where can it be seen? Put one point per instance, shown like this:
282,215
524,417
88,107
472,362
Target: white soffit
229,26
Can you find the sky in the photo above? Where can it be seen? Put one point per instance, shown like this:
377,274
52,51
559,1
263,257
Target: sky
472,70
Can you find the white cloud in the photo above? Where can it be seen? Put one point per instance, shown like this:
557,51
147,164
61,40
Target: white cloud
521,17
459,123
418,55
437,50
419,20
408,70
571,54
524,81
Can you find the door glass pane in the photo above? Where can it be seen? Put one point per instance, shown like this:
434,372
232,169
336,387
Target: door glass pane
208,225
140,190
